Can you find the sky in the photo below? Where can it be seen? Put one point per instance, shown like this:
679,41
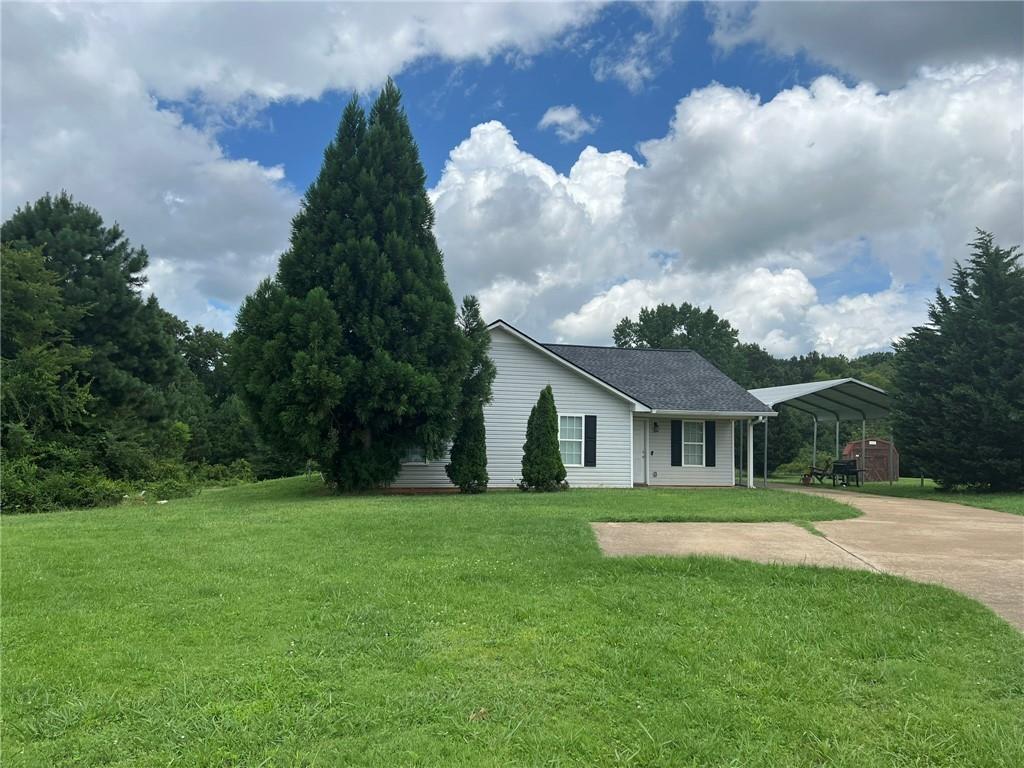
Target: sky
810,170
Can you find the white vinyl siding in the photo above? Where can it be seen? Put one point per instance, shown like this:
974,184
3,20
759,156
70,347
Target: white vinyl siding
661,471
522,372
570,440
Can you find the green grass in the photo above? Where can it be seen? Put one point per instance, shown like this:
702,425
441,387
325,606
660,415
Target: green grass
276,625
911,488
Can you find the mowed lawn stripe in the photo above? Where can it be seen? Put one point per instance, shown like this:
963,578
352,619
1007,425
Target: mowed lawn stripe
276,624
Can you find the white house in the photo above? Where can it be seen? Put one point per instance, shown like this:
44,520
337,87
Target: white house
626,416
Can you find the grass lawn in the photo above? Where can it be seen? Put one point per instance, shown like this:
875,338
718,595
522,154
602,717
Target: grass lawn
275,625
911,488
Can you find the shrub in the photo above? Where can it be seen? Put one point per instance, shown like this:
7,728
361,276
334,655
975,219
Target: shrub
27,487
468,467
543,469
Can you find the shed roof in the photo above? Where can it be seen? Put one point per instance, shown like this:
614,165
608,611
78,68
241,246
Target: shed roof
836,399
672,380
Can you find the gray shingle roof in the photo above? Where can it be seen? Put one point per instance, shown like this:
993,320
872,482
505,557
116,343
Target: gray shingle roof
663,379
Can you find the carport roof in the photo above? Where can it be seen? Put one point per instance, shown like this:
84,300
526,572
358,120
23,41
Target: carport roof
837,399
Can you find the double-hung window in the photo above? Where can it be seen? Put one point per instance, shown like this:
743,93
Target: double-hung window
570,440
415,455
693,443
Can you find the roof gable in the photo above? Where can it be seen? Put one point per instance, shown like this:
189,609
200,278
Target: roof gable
543,349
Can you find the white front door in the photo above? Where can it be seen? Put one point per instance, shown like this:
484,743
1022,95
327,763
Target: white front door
639,450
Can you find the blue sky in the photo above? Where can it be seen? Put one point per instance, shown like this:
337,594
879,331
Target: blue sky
811,170
445,99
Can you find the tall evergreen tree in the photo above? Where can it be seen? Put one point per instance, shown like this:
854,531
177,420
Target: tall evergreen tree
132,361
468,466
351,354
543,469
43,395
959,406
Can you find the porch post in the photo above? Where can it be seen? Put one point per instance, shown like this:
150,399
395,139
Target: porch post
765,451
837,438
750,453
740,457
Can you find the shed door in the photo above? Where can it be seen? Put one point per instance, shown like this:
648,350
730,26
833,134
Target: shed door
639,451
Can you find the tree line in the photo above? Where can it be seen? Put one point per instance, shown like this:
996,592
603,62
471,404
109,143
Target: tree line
957,381
354,353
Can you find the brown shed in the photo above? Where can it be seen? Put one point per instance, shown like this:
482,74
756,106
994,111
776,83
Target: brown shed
877,465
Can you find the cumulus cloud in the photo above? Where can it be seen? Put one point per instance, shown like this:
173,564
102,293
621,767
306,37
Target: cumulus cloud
913,171
741,205
89,95
568,122
779,309
514,229
887,43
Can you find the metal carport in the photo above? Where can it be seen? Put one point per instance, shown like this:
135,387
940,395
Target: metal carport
834,400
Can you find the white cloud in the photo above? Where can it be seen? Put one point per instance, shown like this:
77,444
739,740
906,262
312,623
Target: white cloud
85,89
912,171
884,42
779,309
568,122
645,53
515,230
740,205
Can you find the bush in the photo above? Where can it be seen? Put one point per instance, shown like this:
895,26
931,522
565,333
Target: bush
468,467
237,472
543,469
26,487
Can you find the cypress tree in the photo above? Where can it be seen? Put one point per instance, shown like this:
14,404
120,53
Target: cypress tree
351,354
468,467
959,379
543,469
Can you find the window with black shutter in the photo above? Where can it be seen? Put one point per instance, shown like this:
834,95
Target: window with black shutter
709,443
677,443
590,441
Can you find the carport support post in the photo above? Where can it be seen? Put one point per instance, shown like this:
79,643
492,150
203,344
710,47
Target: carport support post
814,449
890,458
765,451
837,438
750,453
864,448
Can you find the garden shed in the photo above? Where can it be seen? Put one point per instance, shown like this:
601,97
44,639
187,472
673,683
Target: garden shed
877,458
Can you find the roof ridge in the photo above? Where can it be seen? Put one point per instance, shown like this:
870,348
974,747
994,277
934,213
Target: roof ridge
620,349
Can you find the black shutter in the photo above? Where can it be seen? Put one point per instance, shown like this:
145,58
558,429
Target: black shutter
709,443
590,441
677,443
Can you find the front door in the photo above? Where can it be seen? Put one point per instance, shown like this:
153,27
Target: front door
639,451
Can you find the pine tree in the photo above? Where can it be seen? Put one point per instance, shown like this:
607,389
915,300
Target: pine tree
468,467
132,363
959,404
43,394
543,469
351,355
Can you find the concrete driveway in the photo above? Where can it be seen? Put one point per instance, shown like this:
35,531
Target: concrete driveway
975,551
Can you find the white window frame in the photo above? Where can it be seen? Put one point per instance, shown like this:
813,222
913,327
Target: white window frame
582,439
703,443
407,460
